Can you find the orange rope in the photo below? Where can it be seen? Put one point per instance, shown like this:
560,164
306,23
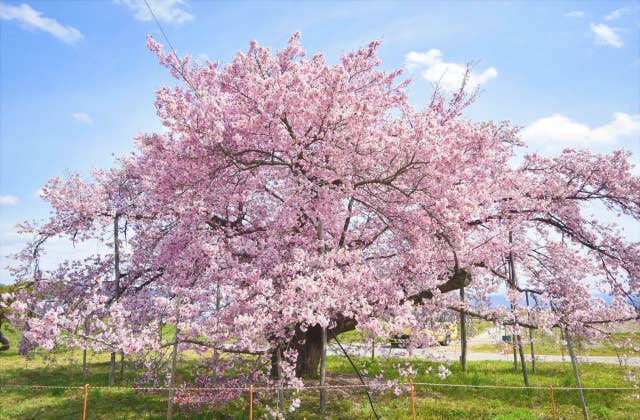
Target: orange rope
86,397
413,400
250,402
553,402
266,388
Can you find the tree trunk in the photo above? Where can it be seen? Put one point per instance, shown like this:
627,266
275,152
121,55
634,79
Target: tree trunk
463,335
172,382
309,351
216,354
5,343
174,359
112,368
533,354
116,285
373,348
84,364
323,369
84,351
121,365
515,357
276,372
308,344
513,280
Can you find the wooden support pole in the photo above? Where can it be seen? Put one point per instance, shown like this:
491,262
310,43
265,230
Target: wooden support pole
413,400
553,403
112,368
523,362
533,354
86,397
574,364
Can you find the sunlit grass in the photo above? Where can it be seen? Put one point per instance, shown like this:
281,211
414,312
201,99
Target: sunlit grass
65,369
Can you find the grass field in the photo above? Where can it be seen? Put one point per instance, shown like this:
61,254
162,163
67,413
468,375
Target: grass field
64,369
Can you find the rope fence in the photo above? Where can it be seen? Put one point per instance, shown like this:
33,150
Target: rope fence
251,389
309,387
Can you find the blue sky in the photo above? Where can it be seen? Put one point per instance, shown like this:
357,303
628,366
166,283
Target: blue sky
77,82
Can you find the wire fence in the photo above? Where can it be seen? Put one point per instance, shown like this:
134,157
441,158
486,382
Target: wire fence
249,393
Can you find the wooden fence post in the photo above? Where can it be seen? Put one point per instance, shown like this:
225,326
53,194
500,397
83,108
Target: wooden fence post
413,401
86,397
250,402
553,402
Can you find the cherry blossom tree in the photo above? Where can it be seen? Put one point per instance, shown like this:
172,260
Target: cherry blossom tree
290,198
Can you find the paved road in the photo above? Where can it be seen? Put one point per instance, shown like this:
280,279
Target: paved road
452,353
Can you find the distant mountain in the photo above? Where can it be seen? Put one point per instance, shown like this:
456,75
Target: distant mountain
501,300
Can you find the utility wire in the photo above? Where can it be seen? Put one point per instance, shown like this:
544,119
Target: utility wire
161,30
173,50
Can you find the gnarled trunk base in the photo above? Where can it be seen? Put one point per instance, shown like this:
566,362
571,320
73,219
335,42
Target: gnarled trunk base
308,344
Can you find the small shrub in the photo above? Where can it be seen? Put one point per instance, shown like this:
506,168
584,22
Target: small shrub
601,412
458,413
519,414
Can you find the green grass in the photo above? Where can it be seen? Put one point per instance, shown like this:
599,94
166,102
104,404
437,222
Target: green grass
431,401
475,327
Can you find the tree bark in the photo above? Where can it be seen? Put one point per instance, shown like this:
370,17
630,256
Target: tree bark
116,285
112,368
172,382
373,348
84,352
84,364
309,346
121,365
276,372
533,354
174,360
463,335
5,343
515,350
323,370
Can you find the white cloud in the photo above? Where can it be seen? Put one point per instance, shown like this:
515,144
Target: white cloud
203,58
618,13
169,11
448,75
606,35
83,117
33,19
8,200
562,131
575,13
